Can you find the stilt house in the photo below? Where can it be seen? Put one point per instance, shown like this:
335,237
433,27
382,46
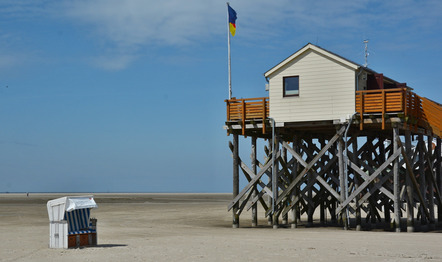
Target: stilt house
320,107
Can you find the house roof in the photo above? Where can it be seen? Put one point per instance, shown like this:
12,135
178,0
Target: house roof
326,53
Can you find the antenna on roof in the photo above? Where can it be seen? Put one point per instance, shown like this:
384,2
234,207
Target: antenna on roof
366,52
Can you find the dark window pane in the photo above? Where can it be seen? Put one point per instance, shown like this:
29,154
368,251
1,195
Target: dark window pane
291,85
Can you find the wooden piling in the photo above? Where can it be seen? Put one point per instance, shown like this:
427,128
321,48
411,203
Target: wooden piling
438,171
396,181
254,194
295,194
409,184
342,180
235,223
429,173
357,183
422,182
275,187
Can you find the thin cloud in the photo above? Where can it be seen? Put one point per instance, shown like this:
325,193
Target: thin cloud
138,22
123,29
113,62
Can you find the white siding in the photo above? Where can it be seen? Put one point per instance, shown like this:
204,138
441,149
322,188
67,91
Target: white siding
326,90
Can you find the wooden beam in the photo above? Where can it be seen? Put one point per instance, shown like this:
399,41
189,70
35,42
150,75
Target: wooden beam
408,182
397,218
235,180
255,190
342,180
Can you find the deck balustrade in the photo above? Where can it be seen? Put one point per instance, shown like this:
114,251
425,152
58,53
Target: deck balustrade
415,111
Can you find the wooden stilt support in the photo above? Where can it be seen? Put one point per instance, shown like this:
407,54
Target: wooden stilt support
310,205
409,184
270,200
275,182
428,152
357,183
396,204
322,200
295,194
438,171
255,192
284,157
235,223
385,200
422,182
342,181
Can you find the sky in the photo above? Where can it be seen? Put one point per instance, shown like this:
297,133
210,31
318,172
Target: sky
128,96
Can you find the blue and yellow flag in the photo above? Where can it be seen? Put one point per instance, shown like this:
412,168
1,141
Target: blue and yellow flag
232,20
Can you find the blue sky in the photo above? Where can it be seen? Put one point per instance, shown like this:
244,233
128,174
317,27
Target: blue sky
128,96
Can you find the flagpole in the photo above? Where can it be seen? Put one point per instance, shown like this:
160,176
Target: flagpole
228,51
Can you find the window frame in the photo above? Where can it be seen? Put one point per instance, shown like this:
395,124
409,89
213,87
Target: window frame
284,89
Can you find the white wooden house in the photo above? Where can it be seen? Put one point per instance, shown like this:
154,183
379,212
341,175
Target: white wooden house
314,84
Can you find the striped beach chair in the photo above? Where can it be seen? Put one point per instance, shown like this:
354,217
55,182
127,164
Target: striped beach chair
70,224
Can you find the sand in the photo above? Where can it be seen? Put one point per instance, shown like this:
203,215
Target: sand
195,227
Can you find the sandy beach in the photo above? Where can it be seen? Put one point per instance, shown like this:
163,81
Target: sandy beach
195,227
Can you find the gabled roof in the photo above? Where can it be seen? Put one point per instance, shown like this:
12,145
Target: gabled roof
326,53
318,49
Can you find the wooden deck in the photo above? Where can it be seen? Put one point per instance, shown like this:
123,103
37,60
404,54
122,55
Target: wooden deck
413,110
249,109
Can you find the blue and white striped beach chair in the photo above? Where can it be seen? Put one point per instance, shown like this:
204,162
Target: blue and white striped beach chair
70,222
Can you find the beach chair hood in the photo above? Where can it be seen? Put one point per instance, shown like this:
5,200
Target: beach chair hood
58,207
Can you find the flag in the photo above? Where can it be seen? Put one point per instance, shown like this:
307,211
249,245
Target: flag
232,20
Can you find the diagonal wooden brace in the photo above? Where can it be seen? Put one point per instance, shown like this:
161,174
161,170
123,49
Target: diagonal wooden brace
252,183
368,181
413,178
289,189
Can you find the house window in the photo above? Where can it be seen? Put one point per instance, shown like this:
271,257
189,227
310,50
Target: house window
291,86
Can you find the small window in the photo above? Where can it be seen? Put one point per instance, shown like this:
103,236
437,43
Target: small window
291,86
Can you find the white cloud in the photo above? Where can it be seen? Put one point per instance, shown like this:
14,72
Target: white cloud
126,27
139,22
113,62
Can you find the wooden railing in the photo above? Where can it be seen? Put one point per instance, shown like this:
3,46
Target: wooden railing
417,111
248,109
